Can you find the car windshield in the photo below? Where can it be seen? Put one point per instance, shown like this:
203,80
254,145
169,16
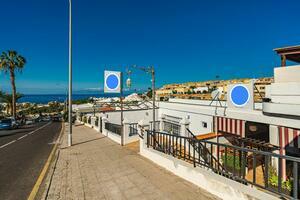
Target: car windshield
5,121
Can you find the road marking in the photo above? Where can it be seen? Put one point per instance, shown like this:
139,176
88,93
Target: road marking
41,177
22,137
7,144
4,145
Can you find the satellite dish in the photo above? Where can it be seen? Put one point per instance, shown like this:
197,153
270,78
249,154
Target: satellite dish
216,94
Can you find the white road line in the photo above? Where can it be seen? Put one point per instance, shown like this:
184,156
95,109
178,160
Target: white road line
4,145
7,144
22,137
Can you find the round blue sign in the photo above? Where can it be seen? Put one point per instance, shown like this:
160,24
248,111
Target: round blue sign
239,95
112,81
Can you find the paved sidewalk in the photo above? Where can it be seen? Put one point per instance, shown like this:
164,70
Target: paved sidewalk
97,168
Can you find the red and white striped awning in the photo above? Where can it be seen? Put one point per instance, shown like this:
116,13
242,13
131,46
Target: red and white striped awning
289,137
232,126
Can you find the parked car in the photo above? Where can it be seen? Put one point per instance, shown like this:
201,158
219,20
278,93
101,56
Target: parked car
46,119
29,122
6,124
56,118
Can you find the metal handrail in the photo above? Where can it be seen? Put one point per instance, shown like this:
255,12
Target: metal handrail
206,150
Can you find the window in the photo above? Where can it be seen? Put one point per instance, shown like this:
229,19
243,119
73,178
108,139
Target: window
204,124
171,128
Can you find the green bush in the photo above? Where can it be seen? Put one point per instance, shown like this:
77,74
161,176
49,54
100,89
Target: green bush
230,163
82,101
273,180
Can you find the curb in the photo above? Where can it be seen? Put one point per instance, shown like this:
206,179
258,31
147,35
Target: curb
45,169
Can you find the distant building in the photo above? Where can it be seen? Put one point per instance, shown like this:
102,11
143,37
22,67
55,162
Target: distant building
202,90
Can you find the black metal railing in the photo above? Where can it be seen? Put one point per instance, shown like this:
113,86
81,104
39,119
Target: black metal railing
248,166
156,126
205,153
133,129
114,128
97,122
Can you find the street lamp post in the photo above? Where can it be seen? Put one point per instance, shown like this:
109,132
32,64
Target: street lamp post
70,75
149,70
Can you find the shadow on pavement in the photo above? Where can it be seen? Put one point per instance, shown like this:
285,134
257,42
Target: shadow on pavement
85,142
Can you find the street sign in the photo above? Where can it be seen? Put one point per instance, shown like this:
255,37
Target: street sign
112,82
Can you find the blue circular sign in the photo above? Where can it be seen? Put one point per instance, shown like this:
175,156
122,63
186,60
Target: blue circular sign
112,81
239,95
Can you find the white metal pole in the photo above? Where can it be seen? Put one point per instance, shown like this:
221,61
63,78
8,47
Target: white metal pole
122,114
70,75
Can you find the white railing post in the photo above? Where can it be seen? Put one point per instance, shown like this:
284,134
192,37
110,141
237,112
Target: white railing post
161,121
93,119
142,131
104,120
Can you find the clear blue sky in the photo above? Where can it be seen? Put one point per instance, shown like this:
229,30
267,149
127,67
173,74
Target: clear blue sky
184,40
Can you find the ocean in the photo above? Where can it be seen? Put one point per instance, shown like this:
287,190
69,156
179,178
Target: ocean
45,98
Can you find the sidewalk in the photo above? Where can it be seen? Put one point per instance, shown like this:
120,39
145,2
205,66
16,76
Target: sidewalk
97,168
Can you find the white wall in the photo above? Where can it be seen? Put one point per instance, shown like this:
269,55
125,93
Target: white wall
242,114
194,118
287,74
257,106
133,116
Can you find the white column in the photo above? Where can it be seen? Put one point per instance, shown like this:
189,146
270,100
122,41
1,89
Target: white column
93,120
274,139
184,124
142,130
104,120
161,121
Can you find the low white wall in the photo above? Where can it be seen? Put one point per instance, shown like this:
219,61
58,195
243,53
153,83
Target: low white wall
115,137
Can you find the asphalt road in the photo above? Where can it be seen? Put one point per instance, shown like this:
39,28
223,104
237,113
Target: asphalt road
23,153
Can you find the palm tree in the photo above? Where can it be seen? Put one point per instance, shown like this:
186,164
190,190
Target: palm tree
9,62
7,98
1,100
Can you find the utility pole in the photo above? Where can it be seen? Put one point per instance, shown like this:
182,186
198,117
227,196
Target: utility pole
70,75
122,114
153,95
153,103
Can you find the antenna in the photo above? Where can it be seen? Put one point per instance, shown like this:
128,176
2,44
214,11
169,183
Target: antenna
215,95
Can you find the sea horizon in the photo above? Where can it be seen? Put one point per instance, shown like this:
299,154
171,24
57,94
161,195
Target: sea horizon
45,98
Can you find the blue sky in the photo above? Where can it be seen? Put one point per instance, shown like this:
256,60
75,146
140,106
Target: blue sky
184,40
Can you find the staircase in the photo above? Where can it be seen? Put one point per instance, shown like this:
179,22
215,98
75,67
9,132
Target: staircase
206,155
